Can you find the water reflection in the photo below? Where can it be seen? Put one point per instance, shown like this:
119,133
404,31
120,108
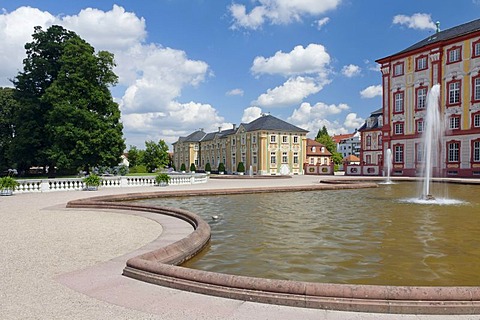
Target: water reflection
365,236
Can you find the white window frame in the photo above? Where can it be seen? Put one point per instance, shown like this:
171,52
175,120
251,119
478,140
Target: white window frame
399,102
421,98
398,127
454,55
454,151
454,123
454,92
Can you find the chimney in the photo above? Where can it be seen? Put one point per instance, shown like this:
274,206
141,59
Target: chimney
234,126
219,129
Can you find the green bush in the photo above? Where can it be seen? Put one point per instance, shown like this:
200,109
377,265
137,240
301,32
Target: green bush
221,167
92,180
208,167
162,179
193,168
240,167
8,183
183,167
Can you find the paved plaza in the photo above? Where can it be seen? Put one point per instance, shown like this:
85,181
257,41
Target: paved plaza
60,263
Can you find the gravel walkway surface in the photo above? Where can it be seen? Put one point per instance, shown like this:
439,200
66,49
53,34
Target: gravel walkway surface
59,263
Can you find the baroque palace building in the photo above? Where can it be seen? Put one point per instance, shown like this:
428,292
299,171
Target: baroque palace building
450,58
267,146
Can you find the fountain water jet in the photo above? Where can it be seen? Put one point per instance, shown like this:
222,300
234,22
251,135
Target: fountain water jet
431,140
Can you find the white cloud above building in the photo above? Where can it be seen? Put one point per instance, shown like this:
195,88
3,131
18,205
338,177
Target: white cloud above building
421,21
371,91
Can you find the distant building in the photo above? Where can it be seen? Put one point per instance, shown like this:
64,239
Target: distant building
348,144
371,137
450,58
318,159
267,145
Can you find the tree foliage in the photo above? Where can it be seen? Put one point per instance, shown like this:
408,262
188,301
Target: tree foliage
7,106
324,138
67,118
156,155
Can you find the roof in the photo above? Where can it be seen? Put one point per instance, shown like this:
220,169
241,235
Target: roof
373,116
269,122
339,137
318,148
351,158
445,35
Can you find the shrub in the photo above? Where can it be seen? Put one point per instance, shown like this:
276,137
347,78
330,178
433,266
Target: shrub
91,180
183,167
221,167
8,183
240,167
162,179
193,168
208,167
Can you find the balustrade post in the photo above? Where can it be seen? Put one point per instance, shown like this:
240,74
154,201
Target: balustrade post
44,186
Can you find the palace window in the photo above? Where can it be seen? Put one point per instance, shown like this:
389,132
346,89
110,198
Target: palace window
476,120
419,152
273,158
254,158
421,63
453,150
454,122
454,92
398,128
454,54
273,138
284,157
421,98
420,126
398,69
254,138
368,159
476,49
369,141
284,139
398,154
476,151
295,157
476,89
295,139
398,97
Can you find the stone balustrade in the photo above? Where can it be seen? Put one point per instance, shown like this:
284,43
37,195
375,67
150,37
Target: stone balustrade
70,184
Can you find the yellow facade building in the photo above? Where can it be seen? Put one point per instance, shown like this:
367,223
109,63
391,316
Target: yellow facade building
265,146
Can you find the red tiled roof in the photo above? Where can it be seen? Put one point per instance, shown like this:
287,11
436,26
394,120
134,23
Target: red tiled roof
339,137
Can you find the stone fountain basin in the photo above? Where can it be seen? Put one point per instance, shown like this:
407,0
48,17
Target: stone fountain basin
161,267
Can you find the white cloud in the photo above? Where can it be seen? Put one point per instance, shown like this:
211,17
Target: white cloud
372,91
278,11
235,92
113,30
251,113
312,59
292,92
353,121
351,70
320,23
420,21
313,118
180,120
16,29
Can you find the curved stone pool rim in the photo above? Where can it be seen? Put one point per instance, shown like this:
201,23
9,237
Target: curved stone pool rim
161,267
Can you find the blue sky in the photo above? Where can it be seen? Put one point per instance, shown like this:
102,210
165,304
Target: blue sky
190,64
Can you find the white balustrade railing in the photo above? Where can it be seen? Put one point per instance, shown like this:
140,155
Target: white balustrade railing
69,184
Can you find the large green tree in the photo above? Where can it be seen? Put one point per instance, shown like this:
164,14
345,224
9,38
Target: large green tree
156,155
7,105
40,70
66,85
324,138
